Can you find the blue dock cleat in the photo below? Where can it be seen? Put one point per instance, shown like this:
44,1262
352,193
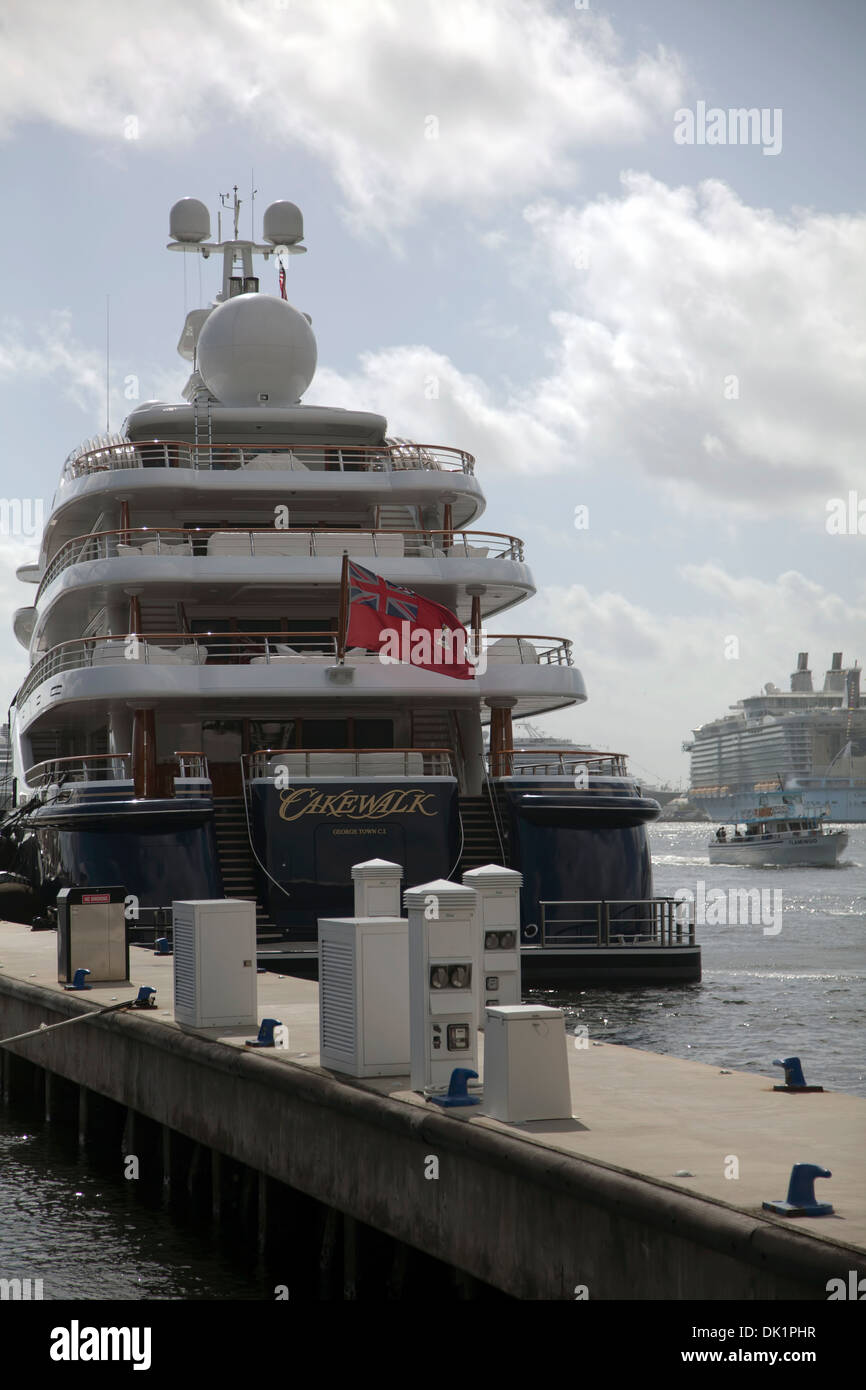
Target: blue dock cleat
458,1093
266,1033
78,979
801,1193
794,1078
144,998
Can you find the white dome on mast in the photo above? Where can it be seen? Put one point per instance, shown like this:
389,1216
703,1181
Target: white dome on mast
256,350
189,221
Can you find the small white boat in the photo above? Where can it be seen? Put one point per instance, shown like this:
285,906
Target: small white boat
778,835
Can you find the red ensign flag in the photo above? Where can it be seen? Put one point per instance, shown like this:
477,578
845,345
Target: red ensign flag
403,626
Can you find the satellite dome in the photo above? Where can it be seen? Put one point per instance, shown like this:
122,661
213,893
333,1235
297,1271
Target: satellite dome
189,220
256,350
283,224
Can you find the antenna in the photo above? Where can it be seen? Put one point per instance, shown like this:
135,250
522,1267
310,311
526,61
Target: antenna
253,192
235,206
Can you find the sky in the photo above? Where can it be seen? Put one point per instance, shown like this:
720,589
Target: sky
537,230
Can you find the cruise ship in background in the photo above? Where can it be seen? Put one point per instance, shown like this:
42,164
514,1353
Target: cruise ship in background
802,742
195,723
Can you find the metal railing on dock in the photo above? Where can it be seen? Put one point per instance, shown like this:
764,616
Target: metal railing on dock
616,922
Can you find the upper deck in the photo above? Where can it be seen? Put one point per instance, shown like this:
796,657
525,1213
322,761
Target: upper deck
174,479
274,456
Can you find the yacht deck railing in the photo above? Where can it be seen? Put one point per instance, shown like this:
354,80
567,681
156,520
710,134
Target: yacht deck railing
271,647
80,767
557,762
378,543
257,457
282,764
106,767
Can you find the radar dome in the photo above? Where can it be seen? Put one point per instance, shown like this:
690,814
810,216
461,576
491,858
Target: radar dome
283,224
189,220
256,350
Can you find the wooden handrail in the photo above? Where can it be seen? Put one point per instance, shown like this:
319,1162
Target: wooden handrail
386,451
287,531
275,752
254,636
79,758
564,752
41,768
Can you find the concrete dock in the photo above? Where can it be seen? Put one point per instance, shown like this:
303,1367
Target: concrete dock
540,1211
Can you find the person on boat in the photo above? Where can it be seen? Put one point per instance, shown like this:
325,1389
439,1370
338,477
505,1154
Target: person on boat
721,833
738,834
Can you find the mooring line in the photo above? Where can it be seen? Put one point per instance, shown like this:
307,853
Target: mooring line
64,1023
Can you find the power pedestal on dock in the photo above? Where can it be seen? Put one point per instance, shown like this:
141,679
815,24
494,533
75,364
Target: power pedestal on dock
215,962
526,1064
443,988
364,978
498,934
92,934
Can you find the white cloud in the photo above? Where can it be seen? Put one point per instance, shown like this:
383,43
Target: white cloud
425,397
717,346
53,352
511,90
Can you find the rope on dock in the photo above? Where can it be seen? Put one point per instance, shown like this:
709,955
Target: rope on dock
64,1023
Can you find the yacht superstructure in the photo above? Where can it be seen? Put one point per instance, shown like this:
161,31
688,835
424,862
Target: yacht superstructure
192,725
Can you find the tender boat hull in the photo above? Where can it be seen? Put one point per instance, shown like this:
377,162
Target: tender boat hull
819,851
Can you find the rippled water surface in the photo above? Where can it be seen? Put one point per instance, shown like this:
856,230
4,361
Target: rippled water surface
797,992
88,1235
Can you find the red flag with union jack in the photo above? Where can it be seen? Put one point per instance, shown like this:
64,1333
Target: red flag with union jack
405,626
283,294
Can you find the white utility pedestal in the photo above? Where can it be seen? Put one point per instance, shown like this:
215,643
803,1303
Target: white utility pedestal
377,888
526,1064
364,995
498,934
215,962
443,990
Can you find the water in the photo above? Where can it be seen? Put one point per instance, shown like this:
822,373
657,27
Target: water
86,1234
79,1226
797,993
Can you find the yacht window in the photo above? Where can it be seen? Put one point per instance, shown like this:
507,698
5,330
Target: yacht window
373,733
324,733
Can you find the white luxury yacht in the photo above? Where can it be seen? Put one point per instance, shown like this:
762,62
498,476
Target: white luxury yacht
193,723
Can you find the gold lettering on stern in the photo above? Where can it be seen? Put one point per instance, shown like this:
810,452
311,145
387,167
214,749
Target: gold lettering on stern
346,805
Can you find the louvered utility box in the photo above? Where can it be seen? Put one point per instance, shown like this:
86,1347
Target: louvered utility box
215,962
364,995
